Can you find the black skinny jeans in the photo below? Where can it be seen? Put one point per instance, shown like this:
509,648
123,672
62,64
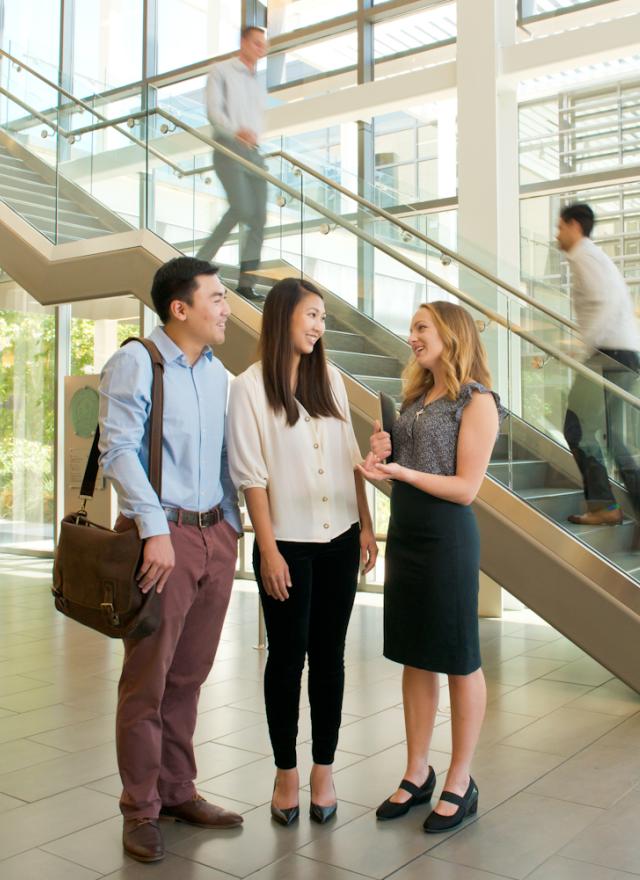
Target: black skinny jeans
312,622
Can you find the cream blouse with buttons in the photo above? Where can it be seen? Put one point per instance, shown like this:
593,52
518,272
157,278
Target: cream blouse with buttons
306,469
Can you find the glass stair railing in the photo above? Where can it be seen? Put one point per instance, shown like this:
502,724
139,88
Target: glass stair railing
438,230
147,169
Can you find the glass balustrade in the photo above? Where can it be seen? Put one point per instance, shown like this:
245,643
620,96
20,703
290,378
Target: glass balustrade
150,170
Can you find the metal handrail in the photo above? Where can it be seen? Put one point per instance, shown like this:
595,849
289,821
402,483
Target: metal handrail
375,209
454,255
365,236
409,264
67,134
31,110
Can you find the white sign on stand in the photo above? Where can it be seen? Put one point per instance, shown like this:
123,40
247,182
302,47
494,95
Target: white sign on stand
81,416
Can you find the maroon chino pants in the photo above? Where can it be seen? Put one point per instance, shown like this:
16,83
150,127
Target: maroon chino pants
162,673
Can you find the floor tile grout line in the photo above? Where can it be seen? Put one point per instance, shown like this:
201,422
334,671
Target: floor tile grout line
529,785
490,874
581,750
595,864
39,848
349,870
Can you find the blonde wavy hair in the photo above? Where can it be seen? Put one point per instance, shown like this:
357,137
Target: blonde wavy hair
463,358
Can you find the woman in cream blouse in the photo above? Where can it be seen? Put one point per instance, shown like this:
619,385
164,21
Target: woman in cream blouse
293,452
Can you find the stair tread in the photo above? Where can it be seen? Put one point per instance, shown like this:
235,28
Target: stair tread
548,492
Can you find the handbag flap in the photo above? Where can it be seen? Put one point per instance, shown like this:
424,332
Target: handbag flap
95,565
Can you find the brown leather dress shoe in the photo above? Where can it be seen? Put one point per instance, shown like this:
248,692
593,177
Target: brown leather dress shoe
142,840
604,517
202,814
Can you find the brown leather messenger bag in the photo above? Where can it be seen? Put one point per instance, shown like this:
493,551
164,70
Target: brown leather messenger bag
94,574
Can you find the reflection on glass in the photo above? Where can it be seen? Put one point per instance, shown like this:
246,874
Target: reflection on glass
26,421
313,59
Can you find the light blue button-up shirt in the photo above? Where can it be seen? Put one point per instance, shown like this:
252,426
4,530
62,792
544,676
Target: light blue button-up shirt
195,474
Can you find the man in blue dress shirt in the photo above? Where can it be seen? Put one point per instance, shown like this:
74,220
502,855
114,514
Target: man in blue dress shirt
190,543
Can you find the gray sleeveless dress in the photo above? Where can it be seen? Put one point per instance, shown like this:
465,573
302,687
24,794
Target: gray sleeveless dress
433,548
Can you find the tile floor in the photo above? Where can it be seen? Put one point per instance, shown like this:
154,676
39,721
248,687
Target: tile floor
558,765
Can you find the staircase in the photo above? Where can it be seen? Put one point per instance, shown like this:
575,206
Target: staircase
28,185
583,581
357,344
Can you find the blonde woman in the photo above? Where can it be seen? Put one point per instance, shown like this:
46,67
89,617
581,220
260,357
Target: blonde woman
441,446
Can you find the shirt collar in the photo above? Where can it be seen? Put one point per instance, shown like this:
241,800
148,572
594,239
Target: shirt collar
241,67
581,245
172,352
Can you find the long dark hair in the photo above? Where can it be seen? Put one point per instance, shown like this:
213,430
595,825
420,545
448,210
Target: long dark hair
276,353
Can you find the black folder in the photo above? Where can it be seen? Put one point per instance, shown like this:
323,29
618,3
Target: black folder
388,415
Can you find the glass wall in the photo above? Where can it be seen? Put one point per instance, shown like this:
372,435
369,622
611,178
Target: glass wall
617,231
407,33
190,31
289,15
30,30
528,9
27,358
314,59
415,153
37,46
98,328
107,44
580,132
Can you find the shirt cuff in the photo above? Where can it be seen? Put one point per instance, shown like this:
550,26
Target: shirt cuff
152,524
232,516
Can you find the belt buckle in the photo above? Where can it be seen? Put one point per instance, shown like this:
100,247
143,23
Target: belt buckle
201,518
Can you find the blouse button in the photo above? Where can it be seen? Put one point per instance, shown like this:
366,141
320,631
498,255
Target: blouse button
325,498
307,418
316,446
320,471
326,525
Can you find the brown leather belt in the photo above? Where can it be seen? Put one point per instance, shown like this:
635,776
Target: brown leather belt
203,518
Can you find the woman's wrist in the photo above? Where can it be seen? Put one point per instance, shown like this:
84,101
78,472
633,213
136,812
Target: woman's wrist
268,548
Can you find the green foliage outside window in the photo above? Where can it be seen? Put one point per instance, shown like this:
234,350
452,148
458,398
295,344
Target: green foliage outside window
27,407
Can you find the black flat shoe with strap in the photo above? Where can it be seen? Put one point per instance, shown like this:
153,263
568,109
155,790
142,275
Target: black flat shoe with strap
420,794
467,806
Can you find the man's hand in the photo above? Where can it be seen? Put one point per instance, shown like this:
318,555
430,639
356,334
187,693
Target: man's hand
158,561
246,136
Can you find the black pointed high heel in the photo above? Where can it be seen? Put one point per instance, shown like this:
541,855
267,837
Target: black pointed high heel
420,794
322,814
286,815
467,806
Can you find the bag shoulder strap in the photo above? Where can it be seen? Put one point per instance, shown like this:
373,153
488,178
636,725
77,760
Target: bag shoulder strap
155,428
